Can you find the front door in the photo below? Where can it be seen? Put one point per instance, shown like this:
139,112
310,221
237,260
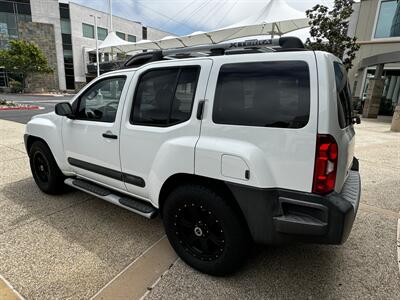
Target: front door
91,141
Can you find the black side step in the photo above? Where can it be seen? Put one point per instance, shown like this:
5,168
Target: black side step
137,204
130,203
91,187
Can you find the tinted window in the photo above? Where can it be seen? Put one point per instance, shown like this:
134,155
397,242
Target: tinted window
266,94
131,38
100,102
102,33
343,95
165,96
121,35
88,31
388,23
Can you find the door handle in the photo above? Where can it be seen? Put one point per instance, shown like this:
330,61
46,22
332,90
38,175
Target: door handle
200,110
109,135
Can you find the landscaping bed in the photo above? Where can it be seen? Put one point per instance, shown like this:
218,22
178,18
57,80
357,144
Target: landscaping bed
10,105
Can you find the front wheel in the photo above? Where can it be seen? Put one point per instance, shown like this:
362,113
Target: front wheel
45,171
205,230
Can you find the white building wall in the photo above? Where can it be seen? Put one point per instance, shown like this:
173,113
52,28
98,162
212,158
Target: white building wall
47,11
155,34
81,14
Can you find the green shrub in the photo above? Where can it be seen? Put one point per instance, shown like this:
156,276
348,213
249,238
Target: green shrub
15,86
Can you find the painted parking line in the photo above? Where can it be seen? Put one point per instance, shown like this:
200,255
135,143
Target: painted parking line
134,281
7,292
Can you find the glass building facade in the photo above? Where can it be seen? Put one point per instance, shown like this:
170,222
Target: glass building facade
11,12
388,22
67,45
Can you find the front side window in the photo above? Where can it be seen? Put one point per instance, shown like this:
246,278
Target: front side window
388,23
343,96
102,33
100,102
88,31
264,94
164,97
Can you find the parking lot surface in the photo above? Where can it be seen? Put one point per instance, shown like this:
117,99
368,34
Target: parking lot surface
76,246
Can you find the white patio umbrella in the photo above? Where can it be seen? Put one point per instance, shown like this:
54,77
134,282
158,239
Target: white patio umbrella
268,22
114,43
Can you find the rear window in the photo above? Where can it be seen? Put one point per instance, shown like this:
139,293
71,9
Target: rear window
265,94
343,95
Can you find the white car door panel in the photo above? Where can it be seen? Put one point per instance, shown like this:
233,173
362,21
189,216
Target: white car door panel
91,141
160,129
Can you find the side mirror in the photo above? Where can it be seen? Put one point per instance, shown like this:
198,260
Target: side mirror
64,109
356,120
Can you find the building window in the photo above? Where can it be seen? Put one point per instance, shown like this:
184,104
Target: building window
67,46
144,33
88,31
121,35
388,23
65,26
102,33
131,38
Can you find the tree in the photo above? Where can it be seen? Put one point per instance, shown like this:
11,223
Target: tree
329,31
25,58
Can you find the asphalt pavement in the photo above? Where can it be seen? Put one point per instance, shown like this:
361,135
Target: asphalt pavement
47,104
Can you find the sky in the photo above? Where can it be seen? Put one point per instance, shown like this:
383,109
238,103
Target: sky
182,17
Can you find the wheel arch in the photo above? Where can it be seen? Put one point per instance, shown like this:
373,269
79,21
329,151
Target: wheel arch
217,185
30,139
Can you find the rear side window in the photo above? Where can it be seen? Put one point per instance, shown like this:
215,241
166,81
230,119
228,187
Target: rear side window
265,94
343,95
164,97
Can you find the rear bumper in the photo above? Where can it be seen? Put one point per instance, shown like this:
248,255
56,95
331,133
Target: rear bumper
279,216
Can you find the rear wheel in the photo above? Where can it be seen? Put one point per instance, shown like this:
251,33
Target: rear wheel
205,230
45,171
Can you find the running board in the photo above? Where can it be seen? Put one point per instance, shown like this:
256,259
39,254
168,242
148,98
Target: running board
135,205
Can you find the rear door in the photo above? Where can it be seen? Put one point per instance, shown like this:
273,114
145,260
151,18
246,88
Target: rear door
260,121
160,129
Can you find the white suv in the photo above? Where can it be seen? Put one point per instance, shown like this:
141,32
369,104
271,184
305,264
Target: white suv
230,144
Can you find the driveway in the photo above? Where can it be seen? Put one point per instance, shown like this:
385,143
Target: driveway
77,246
46,103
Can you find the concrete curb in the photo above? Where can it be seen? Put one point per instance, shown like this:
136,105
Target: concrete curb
7,292
141,275
33,107
398,242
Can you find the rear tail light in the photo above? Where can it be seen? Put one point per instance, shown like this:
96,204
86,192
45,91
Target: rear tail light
326,160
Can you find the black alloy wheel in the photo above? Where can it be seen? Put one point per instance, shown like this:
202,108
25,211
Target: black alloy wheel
205,229
199,231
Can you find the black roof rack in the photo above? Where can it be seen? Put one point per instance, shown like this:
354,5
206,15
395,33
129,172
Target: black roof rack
245,47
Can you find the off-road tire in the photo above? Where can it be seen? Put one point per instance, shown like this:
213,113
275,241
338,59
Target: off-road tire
45,170
198,202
